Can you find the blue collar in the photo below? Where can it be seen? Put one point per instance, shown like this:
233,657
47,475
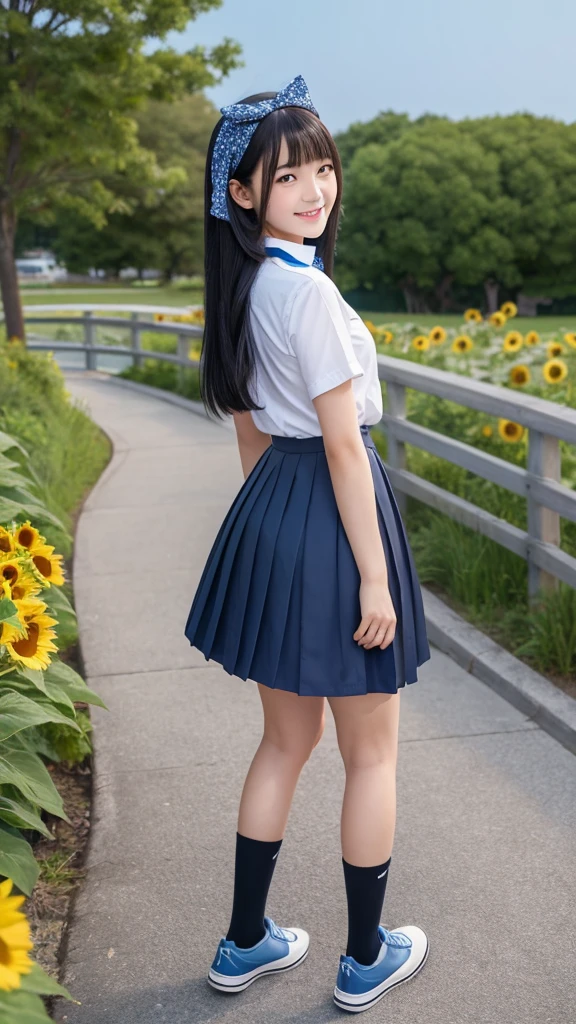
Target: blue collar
284,249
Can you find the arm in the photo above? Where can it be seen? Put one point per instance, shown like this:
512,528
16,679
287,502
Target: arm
252,443
354,492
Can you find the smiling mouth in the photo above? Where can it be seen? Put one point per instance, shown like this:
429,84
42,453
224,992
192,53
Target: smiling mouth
310,213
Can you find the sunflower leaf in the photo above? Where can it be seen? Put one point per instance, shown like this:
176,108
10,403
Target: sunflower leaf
29,774
18,1007
17,862
19,712
70,681
15,813
40,982
7,442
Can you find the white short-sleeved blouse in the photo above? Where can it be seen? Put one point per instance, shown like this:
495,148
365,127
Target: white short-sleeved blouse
308,340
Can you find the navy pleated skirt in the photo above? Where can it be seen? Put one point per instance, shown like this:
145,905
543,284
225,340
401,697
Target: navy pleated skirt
278,599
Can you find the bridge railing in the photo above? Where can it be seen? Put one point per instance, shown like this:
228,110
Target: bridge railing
548,500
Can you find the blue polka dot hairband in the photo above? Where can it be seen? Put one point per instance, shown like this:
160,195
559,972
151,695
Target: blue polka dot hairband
240,122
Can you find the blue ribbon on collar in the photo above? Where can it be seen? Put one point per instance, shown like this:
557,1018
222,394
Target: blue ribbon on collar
273,250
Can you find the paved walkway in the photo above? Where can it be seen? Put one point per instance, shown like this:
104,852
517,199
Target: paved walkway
484,856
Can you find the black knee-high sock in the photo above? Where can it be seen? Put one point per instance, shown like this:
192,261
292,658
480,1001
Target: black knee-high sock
254,866
365,888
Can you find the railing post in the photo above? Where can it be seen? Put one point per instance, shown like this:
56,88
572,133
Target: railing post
543,523
89,340
396,457
183,342
135,340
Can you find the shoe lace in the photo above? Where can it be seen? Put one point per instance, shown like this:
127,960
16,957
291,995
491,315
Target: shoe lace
396,938
277,932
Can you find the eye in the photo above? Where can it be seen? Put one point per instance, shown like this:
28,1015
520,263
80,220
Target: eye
284,176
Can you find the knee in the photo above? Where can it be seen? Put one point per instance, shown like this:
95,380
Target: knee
365,756
297,747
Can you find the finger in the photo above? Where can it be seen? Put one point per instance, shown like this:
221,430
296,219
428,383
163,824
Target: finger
364,624
390,634
378,637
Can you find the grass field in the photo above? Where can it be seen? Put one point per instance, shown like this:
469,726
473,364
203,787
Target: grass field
179,296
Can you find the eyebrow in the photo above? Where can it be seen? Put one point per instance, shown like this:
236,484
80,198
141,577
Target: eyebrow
282,166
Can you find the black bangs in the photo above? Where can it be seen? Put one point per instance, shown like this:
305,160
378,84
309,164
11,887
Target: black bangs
306,137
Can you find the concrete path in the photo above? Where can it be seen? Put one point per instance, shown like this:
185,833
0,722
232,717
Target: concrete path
484,856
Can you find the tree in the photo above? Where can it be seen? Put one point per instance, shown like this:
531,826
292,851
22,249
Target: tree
488,202
73,74
420,214
162,229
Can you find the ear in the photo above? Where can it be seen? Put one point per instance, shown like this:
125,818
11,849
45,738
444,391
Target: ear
240,194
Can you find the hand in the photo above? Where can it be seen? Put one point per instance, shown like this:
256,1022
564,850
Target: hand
378,624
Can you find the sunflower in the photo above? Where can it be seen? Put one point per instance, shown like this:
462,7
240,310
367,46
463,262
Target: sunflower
554,349
519,374
159,317
509,309
555,370
9,630
513,341
570,338
473,316
421,342
510,431
7,542
32,649
387,337
371,327
22,583
15,941
487,430
437,335
532,338
462,343
49,566
497,319
27,536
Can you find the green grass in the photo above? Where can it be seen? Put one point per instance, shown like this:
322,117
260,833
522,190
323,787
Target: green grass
428,320
54,295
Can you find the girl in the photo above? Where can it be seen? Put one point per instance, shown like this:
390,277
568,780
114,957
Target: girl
310,588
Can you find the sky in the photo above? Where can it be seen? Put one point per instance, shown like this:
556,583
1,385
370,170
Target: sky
358,57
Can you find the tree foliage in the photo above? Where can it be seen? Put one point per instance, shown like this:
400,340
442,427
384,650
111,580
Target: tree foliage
73,75
443,204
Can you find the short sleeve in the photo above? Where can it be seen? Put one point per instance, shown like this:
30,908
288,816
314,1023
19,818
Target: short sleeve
319,337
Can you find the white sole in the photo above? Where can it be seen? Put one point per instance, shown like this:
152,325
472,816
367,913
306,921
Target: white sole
414,963
296,954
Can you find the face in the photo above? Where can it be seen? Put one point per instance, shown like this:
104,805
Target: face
296,192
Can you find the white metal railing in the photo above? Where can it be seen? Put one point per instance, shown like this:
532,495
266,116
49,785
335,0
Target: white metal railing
547,423
548,499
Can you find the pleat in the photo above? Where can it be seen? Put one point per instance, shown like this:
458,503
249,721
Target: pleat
278,600
202,607
272,582
410,643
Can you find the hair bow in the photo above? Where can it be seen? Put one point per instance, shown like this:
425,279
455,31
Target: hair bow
240,122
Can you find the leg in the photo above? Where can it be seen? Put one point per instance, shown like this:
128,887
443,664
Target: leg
367,730
293,726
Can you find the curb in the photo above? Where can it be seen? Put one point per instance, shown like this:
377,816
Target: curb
533,694
528,691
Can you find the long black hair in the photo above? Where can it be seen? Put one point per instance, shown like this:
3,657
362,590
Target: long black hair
234,250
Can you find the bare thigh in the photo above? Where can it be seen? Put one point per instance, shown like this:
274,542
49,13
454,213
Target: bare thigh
367,728
294,724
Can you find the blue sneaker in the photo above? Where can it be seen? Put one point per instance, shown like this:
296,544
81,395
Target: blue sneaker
281,949
402,954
